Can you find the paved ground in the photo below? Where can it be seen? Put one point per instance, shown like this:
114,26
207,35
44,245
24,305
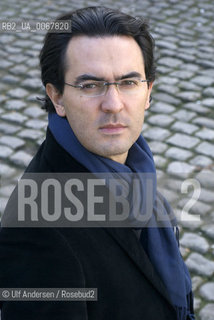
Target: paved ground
179,125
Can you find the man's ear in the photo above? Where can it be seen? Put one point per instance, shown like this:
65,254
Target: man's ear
56,99
149,98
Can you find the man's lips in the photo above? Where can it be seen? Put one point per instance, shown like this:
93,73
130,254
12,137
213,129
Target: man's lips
112,128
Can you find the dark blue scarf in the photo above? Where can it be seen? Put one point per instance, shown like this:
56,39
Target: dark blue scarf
159,243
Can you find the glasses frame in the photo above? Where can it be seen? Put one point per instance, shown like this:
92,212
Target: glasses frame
105,84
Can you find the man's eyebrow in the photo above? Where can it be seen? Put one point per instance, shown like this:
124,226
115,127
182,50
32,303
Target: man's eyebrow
133,74
86,77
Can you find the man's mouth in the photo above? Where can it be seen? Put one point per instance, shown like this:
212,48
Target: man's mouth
114,128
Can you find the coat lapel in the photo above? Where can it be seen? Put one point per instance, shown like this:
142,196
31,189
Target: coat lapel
128,241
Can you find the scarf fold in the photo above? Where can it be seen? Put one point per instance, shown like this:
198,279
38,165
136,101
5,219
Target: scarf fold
159,243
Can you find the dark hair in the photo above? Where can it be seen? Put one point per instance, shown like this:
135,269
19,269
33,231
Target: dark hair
93,22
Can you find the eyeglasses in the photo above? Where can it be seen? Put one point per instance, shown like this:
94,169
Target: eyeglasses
99,88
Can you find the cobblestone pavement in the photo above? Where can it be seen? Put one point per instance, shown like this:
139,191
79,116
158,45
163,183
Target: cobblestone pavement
179,125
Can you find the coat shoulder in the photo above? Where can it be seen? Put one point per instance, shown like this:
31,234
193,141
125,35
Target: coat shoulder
51,157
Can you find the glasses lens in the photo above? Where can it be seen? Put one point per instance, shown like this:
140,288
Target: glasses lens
129,86
99,88
92,89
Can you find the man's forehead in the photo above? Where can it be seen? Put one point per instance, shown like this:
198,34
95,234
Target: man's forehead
94,53
82,39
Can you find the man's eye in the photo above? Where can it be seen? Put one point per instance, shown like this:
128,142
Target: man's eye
130,83
89,86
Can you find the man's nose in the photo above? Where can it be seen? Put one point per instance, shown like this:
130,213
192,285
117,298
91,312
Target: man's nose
112,100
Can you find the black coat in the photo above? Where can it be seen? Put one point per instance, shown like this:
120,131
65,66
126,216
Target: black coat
109,259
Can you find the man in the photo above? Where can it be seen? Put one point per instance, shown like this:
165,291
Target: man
98,81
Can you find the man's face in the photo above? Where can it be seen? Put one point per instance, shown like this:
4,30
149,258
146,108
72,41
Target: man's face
106,125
